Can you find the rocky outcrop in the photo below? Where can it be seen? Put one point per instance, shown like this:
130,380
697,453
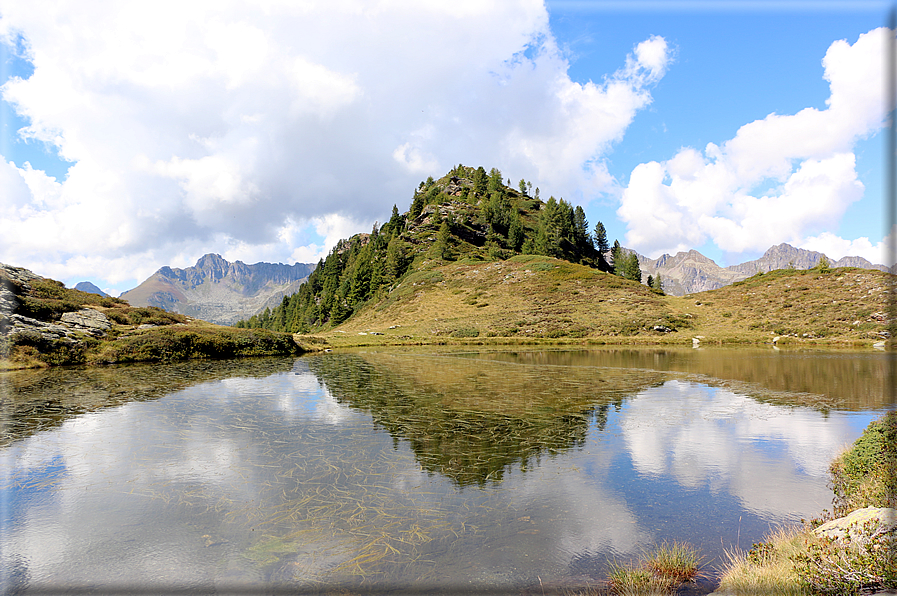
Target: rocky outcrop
860,525
219,291
71,327
783,256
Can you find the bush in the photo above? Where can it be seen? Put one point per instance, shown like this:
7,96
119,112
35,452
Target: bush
466,332
831,567
864,475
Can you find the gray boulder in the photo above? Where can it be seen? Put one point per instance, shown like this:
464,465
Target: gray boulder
860,525
90,320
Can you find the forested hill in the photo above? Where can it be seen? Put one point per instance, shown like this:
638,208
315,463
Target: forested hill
467,215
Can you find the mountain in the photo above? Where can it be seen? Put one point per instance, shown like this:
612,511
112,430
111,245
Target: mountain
785,256
687,273
86,286
219,291
691,272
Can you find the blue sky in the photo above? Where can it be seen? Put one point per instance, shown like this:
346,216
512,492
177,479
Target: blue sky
269,135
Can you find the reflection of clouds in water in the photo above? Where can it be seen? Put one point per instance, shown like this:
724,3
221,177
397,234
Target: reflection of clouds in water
594,519
297,394
687,430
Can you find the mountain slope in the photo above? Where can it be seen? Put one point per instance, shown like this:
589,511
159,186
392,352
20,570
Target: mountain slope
218,291
473,257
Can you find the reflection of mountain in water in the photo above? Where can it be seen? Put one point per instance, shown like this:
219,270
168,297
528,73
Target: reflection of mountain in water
37,400
472,420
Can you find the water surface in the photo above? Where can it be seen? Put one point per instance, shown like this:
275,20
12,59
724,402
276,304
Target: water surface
424,469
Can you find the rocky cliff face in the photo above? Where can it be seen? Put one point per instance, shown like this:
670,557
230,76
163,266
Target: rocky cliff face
219,291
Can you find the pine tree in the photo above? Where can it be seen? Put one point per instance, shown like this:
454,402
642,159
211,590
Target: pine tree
632,269
515,231
600,238
617,258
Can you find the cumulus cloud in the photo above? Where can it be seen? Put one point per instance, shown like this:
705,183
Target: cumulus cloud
215,126
691,440
805,162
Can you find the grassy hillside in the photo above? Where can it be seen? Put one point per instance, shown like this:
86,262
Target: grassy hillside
474,260
37,334
535,299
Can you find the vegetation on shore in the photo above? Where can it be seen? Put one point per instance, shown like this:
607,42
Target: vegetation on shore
134,334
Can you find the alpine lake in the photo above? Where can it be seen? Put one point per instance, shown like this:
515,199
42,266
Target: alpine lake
426,470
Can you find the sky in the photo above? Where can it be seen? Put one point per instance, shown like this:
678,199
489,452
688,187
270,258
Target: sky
139,135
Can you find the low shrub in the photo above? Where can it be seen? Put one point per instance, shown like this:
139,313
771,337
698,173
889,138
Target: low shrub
828,566
144,315
466,332
180,343
864,475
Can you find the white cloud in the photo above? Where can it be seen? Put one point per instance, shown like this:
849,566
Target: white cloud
692,442
804,159
189,125
836,247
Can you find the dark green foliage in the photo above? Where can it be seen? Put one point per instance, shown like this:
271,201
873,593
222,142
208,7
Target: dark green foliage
442,246
617,258
601,238
562,233
479,180
631,268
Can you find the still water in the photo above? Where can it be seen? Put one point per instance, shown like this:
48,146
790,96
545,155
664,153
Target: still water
429,470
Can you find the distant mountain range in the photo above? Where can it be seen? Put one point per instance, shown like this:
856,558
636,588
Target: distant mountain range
219,291
691,272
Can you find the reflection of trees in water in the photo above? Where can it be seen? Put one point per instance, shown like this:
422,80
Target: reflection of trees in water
473,420
37,400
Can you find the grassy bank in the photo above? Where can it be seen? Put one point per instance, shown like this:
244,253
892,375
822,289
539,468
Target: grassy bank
127,334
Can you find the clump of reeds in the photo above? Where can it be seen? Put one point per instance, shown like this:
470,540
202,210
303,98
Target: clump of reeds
660,571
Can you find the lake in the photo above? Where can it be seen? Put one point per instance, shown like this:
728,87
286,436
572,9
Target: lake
433,470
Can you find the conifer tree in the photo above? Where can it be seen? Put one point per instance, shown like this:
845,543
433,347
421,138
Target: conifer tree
617,258
600,238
